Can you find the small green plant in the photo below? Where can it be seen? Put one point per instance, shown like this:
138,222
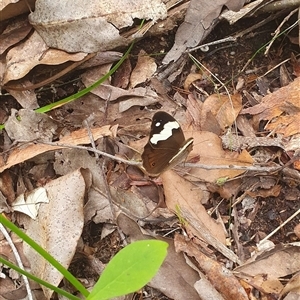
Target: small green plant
128,271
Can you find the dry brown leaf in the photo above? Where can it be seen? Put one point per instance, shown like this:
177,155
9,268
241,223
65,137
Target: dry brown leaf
69,160
143,70
58,227
209,147
286,125
292,285
36,53
192,77
274,191
200,18
91,26
12,8
27,99
139,96
75,138
14,34
265,283
267,263
182,195
130,203
285,100
223,108
221,278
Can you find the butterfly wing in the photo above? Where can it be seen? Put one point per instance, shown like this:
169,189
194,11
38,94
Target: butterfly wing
166,146
156,160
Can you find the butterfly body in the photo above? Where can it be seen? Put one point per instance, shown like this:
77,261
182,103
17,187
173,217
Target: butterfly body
166,146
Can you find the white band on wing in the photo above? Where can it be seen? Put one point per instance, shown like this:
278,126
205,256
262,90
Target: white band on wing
165,133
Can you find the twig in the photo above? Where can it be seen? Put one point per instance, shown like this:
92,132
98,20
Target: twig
18,259
190,165
116,158
277,31
203,47
234,167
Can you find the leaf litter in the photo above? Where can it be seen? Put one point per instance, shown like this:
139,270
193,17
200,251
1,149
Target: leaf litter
224,202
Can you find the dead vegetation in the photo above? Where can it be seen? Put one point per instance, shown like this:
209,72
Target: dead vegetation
71,177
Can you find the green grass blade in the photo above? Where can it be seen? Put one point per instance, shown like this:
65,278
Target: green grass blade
46,255
81,93
38,280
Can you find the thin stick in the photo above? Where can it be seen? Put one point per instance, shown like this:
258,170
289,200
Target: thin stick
277,31
202,47
190,165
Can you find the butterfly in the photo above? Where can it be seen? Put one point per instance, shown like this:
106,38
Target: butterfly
166,146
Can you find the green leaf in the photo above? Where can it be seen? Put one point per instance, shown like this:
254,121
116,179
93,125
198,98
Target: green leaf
131,269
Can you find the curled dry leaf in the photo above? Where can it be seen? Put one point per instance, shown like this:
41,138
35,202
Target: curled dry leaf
36,53
29,204
190,79
223,108
91,26
143,70
283,101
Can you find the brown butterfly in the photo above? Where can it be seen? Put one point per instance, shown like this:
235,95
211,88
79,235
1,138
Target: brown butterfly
167,145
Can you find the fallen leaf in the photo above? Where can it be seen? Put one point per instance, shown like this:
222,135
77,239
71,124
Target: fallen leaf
292,285
143,70
36,53
199,20
58,227
190,79
223,108
286,125
284,100
91,26
208,146
174,269
78,137
13,8
14,34
27,99
221,278
30,126
267,262
181,194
